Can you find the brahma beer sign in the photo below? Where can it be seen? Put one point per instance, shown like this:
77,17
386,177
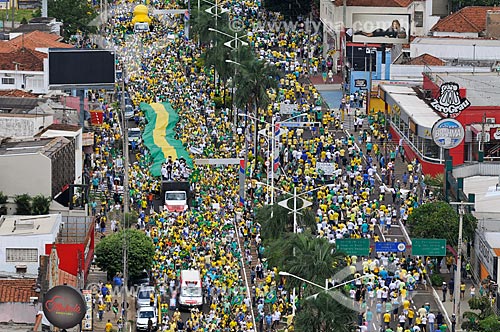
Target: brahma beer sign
449,102
64,307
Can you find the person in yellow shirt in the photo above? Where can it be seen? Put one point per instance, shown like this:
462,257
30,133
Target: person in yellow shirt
109,326
387,319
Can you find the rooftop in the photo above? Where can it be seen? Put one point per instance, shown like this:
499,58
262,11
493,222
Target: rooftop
62,127
16,93
45,146
29,225
17,290
33,40
38,39
375,3
22,59
406,98
443,41
467,19
481,88
426,59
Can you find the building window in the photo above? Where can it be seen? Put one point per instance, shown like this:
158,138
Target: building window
8,81
419,19
21,255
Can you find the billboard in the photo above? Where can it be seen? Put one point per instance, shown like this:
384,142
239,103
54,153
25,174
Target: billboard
380,28
81,69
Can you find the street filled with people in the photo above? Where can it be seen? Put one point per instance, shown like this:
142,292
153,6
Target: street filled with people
360,195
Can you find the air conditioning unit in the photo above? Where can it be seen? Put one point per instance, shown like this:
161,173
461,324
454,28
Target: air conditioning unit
490,120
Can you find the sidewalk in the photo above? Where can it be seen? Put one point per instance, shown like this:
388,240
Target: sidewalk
448,305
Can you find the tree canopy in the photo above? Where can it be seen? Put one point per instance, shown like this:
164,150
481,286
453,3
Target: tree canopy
75,15
309,257
323,314
109,252
483,319
440,220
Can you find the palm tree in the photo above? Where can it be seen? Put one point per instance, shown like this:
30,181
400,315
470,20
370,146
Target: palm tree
276,220
308,257
323,314
253,82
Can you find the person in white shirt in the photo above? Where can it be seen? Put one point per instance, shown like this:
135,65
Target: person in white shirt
430,320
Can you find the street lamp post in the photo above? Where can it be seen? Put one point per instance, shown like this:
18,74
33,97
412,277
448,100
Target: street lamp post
458,272
234,39
273,143
324,288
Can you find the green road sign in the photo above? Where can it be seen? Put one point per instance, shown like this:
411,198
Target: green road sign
358,247
428,247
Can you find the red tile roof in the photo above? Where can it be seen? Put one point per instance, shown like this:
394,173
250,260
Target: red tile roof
38,39
17,290
426,59
467,19
16,93
6,47
26,59
375,3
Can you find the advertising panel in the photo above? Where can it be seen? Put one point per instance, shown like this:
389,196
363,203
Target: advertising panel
381,28
64,306
448,133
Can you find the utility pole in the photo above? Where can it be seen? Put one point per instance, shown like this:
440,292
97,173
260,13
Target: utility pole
458,272
343,42
125,199
13,4
369,88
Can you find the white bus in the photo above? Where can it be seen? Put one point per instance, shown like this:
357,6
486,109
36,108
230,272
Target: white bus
191,294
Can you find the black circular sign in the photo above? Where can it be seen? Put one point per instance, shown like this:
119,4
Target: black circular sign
64,306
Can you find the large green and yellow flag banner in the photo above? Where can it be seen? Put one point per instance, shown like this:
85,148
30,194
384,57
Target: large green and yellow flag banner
159,135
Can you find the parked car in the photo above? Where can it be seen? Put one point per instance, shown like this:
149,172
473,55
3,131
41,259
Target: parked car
143,296
144,314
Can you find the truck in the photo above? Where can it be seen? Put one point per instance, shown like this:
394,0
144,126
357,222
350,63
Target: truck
191,292
176,195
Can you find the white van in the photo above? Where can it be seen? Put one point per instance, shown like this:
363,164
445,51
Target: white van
191,294
141,27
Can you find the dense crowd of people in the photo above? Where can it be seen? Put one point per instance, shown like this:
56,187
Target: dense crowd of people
217,235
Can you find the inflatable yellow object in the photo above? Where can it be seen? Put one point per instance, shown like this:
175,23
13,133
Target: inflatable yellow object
141,14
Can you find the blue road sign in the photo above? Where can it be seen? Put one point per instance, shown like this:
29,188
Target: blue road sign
390,246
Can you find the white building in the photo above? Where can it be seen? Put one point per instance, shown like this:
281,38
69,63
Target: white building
38,166
333,13
71,132
24,63
449,48
23,240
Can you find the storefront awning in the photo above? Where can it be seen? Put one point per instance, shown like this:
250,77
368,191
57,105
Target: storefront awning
412,109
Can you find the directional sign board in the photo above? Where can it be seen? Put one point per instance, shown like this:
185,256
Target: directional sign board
428,247
390,246
357,247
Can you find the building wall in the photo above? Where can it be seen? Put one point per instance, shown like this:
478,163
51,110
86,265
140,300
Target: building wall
77,138
484,49
18,175
455,34
414,73
33,81
24,242
23,127
21,313
63,167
